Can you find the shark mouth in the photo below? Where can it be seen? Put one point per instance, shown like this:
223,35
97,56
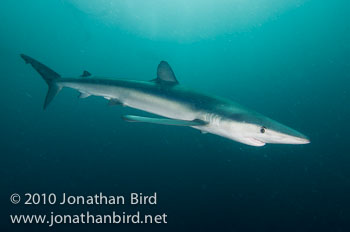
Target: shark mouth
254,142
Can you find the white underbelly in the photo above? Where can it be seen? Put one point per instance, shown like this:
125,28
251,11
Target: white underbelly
157,105
139,100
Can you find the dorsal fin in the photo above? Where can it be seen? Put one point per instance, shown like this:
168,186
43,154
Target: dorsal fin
85,74
165,74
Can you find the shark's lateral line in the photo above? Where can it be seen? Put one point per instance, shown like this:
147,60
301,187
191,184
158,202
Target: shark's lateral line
180,107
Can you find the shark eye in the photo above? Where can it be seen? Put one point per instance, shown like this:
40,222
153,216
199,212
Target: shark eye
262,129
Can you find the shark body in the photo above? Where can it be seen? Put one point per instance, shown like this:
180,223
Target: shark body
177,105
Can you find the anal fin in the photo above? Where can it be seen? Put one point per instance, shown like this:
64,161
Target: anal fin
114,102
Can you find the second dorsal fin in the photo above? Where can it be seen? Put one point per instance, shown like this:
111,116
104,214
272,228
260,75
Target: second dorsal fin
165,74
85,74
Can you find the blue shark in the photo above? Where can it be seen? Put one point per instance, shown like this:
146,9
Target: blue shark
177,105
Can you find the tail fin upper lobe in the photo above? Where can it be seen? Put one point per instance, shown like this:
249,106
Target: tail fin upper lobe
48,75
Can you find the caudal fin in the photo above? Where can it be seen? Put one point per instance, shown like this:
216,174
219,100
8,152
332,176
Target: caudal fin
48,75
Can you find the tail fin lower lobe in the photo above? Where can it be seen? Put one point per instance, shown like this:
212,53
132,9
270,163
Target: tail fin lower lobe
48,75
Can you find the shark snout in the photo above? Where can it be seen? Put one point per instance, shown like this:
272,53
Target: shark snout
293,137
300,140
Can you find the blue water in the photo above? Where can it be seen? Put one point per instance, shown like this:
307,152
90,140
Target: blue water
289,60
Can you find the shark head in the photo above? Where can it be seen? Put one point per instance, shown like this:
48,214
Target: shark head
257,130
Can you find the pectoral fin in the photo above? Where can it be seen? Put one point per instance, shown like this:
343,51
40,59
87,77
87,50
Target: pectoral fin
164,121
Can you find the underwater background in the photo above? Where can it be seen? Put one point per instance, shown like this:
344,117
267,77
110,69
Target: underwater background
289,60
